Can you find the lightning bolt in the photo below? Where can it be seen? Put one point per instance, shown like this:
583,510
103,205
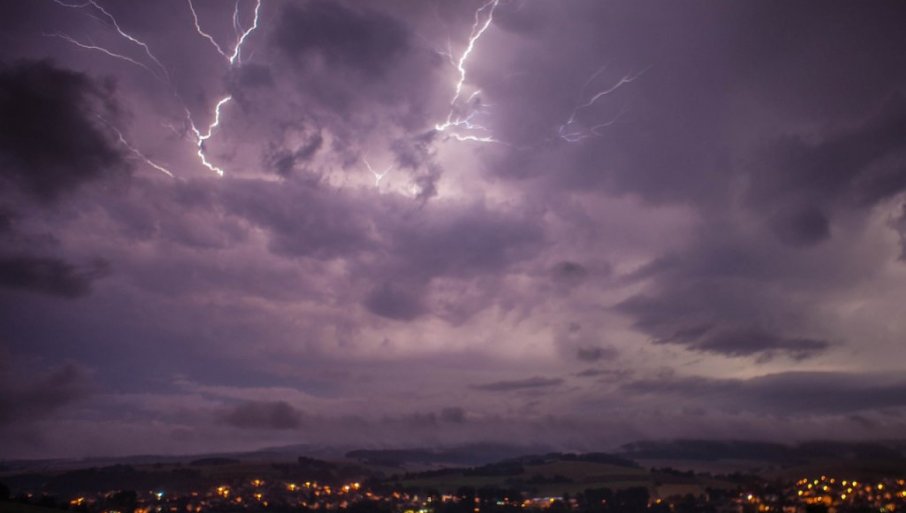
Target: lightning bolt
377,176
110,53
125,35
232,58
236,55
477,30
141,156
571,131
236,27
201,138
448,53
132,149
165,77
131,38
484,16
204,34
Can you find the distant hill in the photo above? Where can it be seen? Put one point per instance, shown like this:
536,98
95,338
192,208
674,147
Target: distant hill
854,459
463,455
473,464
541,475
214,461
764,451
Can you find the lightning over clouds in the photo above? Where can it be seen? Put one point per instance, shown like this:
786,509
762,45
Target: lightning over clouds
109,53
160,72
377,176
573,130
249,223
462,113
201,137
139,154
234,57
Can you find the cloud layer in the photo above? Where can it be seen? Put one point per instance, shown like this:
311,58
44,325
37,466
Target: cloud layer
611,221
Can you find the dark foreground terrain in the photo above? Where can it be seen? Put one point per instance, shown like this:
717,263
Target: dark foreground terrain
679,476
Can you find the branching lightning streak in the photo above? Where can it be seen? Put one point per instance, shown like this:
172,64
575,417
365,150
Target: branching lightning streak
377,176
200,138
134,150
477,31
236,28
103,50
236,55
484,16
166,76
232,58
448,53
123,34
140,155
204,34
570,134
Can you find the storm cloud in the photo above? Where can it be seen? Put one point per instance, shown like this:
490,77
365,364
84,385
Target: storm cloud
37,397
53,137
264,415
585,223
519,384
812,392
49,275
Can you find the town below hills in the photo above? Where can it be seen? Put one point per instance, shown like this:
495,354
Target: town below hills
679,475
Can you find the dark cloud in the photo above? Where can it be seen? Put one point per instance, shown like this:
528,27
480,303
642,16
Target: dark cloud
53,138
788,393
724,293
606,375
365,76
570,273
463,240
452,240
899,224
532,383
50,275
276,415
583,343
852,168
593,354
414,152
676,321
353,37
27,399
7,219
302,221
426,181
744,342
453,415
284,161
801,226
252,76
395,301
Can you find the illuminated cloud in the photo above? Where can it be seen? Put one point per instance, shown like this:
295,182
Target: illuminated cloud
281,223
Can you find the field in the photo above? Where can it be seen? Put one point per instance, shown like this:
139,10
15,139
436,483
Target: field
548,479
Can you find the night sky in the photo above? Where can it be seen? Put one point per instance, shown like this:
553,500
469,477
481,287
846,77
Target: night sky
573,223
